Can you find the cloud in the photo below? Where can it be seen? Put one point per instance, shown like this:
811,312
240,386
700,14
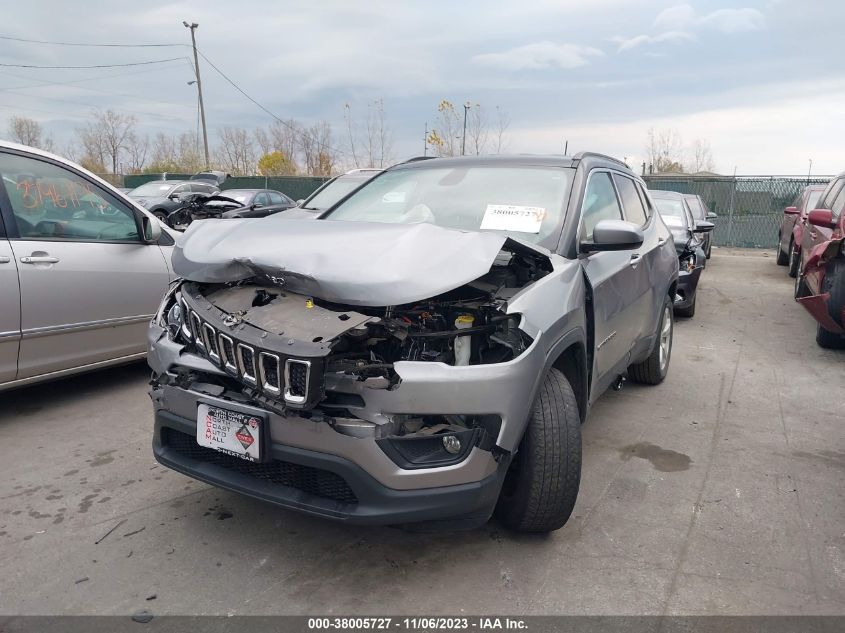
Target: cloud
734,20
679,23
539,55
628,43
674,18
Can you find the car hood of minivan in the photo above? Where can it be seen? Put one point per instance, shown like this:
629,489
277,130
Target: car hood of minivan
356,263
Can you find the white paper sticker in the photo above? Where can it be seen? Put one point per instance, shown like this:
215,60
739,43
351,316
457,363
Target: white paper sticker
510,217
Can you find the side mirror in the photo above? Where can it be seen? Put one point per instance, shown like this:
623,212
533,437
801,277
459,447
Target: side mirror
151,229
256,205
791,210
173,196
712,215
614,235
821,217
300,201
703,226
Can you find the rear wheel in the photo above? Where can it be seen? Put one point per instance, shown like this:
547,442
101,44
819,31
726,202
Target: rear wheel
794,259
834,286
653,369
542,483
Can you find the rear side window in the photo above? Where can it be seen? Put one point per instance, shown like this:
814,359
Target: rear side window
830,194
649,210
600,203
631,203
276,198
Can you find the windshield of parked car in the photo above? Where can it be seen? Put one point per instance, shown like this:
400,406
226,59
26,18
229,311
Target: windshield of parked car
525,202
672,212
334,191
157,188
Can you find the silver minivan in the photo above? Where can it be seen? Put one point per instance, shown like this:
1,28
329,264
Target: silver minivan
82,269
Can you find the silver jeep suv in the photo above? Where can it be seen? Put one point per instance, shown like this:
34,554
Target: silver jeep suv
425,351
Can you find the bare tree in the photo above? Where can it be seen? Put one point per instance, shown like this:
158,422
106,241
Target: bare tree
25,131
701,156
371,141
500,128
351,134
482,136
236,151
106,138
665,151
281,136
319,156
137,148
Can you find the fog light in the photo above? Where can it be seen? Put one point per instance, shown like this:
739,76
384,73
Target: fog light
452,444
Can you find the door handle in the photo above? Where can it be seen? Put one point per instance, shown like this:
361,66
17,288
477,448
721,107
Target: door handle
39,259
661,241
4,259
635,259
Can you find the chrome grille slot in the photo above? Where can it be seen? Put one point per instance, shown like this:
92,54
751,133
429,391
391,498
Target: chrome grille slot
246,363
209,336
186,319
196,326
296,380
268,365
227,353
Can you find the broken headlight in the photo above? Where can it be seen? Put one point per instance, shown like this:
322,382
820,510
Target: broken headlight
170,314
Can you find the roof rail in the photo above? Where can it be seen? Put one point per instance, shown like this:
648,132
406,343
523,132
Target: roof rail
415,159
582,155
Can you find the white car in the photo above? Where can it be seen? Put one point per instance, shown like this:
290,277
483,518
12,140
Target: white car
82,269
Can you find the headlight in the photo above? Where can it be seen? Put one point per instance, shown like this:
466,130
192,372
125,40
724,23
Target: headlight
169,313
174,320
691,264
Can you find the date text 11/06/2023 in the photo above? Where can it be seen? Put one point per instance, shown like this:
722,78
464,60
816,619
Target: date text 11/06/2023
419,623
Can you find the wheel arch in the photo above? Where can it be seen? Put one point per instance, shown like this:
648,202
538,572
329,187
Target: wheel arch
569,356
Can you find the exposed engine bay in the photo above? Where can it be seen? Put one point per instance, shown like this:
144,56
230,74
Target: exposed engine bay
465,326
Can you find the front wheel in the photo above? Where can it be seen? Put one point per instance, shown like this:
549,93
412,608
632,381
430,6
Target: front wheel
783,258
829,340
161,215
542,483
653,370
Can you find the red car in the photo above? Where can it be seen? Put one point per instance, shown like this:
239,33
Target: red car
792,227
820,287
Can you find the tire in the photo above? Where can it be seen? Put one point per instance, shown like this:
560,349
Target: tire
709,249
794,259
689,311
653,370
829,340
161,215
834,286
542,482
783,258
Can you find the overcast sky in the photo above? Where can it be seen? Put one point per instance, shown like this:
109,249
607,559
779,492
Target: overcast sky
761,81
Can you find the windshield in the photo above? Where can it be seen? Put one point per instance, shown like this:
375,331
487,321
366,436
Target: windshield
333,192
672,212
156,188
525,202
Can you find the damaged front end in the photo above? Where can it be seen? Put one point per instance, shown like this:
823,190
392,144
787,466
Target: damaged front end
416,394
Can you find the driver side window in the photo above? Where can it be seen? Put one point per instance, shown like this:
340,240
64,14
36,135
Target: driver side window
600,203
50,202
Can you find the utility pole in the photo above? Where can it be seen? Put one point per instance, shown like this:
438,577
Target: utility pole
425,140
566,148
467,106
809,169
193,27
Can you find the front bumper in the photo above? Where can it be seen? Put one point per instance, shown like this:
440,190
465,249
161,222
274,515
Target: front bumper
687,286
323,484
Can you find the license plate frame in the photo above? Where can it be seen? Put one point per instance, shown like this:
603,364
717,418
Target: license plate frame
228,431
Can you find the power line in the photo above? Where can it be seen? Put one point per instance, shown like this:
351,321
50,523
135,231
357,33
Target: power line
301,133
152,61
28,41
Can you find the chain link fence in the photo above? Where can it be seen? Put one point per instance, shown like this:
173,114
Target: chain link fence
296,187
750,208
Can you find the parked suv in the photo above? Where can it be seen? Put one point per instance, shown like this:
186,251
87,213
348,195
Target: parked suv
701,213
425,351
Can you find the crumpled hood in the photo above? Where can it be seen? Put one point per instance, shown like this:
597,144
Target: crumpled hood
149,201
357,263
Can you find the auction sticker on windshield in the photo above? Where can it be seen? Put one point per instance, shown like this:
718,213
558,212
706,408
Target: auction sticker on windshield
231,432
510,217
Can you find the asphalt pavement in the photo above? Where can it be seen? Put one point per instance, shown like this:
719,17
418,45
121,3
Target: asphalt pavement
720,491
